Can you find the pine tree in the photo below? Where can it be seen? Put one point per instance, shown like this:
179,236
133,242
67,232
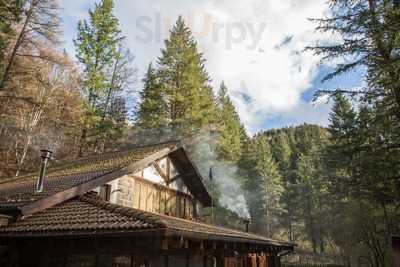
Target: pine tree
342,117
342,128
188,98
264,184
151,112
232,132
363,172
369,33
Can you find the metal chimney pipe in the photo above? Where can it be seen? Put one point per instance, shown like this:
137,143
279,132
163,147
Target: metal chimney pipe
45,155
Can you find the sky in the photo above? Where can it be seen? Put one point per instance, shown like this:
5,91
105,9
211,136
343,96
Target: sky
255,46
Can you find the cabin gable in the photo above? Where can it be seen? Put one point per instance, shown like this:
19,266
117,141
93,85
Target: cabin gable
158,188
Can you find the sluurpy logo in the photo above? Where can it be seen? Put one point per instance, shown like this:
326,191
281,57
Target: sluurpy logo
155,28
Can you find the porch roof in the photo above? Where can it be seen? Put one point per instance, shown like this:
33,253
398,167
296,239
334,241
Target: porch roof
89,215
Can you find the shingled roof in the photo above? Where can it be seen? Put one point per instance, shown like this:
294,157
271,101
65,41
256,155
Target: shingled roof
19,193
88,215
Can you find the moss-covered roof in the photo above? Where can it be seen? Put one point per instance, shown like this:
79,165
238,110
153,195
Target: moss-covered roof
15,192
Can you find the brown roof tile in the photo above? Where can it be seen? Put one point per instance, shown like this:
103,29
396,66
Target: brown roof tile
88,214
78,215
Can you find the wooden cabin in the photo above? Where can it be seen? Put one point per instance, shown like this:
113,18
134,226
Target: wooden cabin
136,208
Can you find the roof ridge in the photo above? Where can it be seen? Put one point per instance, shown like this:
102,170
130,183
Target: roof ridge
87,159
127,211
108,153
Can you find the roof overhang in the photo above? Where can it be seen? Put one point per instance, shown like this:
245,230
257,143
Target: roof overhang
191,176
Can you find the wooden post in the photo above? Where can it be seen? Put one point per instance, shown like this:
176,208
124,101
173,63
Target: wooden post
164,244
132,260
202,245
195,215
166,262
205,261
187,260
168,169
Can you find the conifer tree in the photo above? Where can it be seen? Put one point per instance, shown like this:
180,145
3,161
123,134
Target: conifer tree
264,184
188,98
232,132
342,129
151,112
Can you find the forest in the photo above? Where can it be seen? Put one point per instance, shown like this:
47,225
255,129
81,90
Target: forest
334,191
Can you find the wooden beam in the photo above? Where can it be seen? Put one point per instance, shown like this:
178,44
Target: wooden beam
160,171
173,179
194,182
168,169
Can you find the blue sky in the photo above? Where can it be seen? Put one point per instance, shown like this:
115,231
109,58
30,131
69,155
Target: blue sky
255,46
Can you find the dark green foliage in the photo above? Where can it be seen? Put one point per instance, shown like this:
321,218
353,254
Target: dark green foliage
107,72
263,183
232,134
179,93
184,81
370,38
151,111
363,156
363,174
297,152
96,47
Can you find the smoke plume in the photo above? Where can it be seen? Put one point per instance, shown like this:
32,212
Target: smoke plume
226,184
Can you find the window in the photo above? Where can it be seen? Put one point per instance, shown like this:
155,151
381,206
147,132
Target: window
105,192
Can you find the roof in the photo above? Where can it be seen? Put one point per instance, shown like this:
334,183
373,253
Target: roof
88,214
20,192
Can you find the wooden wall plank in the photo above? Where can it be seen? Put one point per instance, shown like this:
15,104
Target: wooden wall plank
136,197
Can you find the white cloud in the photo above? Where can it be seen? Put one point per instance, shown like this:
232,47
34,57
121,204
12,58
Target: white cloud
272,75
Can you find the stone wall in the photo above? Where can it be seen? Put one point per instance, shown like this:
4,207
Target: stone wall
125,195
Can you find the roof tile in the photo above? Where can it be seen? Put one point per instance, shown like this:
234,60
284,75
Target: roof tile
91,213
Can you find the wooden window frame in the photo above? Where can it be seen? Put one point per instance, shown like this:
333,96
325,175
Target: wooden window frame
106,194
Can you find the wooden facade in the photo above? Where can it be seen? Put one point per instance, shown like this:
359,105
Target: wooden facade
157,198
